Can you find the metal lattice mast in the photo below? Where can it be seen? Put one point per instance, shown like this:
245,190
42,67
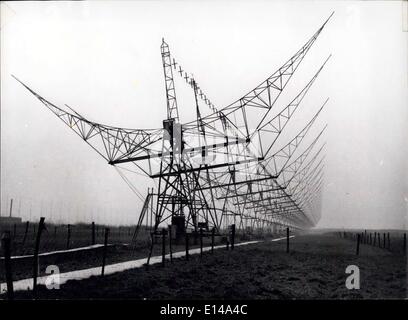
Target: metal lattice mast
217,175
172,110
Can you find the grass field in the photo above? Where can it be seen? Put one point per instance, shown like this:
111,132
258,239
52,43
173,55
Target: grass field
119,249
55,236
314,269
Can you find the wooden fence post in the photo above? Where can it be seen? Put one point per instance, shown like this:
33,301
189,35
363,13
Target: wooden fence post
388,240
68,236
7,264
358,244
232,236
11,208
93,233
384,240
375,238
170,245
41,226
187,254
163,246
212,239
152,242
105,249
201,242
26,232
287,239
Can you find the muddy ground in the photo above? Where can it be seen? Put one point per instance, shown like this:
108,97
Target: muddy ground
314,269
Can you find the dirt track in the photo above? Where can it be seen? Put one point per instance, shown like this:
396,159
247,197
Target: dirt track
315,268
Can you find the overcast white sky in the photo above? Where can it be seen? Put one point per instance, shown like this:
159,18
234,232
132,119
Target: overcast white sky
103,59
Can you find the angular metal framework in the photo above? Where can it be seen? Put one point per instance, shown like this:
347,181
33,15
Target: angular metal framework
221,168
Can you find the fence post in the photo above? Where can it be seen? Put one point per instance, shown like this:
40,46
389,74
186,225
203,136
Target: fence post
201,242
170,245
68,236
287,239
105,248
93,233
358,244
389,241
11,208
187,254
152,242
163,246
232,236
384,240
7,264
36,250
212,239
26,232
404,245
375,238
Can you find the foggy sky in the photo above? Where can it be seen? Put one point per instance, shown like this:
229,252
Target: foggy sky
103,59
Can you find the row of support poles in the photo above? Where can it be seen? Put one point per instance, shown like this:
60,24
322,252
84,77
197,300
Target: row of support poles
164,233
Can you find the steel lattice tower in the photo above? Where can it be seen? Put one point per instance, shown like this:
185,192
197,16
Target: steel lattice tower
208,172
